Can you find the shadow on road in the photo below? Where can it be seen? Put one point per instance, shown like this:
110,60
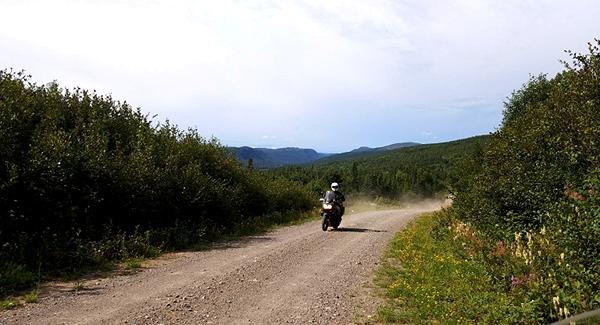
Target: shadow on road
343,229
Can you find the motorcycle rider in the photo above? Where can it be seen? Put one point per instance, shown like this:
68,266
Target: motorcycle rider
335,196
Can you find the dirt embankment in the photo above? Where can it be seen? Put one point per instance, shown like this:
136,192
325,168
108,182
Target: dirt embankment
296,274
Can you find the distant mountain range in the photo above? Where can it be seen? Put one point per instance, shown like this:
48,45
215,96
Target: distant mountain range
270,158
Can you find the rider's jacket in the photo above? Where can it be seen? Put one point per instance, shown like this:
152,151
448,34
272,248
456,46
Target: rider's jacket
334,196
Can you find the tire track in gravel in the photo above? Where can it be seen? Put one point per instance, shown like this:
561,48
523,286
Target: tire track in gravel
297,275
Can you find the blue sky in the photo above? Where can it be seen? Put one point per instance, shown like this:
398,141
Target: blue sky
329,75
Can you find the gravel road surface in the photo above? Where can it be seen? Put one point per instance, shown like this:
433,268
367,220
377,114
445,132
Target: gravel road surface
297,275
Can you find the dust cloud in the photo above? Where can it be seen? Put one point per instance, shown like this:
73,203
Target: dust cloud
360,204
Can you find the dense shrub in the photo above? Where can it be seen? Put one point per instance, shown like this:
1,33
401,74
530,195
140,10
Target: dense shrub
536,185
84,177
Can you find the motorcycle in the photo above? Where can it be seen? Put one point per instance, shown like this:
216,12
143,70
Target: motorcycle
331,214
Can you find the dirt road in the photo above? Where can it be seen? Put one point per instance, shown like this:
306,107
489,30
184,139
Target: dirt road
297,274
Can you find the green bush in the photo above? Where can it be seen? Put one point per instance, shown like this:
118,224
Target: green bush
536,185
15,277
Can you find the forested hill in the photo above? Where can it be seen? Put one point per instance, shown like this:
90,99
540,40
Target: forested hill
362,151
423,170
269,158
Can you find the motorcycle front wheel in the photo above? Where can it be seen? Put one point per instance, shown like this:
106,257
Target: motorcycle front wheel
336,224
324,224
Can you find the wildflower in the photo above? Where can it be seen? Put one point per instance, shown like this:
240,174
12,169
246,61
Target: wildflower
514,281
524,279
556,302
499,250
574,195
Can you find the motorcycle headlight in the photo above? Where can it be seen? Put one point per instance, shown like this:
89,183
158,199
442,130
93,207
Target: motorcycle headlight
327,206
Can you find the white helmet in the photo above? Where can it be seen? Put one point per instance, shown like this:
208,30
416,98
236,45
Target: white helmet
334,186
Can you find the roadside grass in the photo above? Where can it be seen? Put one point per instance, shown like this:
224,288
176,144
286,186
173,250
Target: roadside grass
14,302
427,277
31,297
9,303
78,286
134,263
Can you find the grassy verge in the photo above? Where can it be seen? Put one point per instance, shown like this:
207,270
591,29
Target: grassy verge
442,270
428,277
14,302
9,303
